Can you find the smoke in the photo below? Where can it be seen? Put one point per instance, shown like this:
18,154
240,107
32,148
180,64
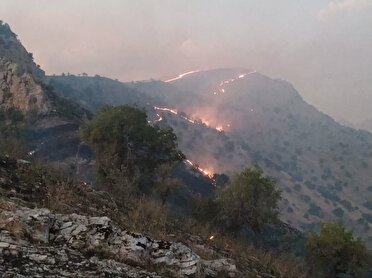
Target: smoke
322,47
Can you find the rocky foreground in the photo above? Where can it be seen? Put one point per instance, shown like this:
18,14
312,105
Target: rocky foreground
35,242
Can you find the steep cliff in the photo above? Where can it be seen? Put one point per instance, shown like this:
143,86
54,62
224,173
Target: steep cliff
20,78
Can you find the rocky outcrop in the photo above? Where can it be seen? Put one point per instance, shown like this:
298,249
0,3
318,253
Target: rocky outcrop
20,78
20,91
28,261
38,242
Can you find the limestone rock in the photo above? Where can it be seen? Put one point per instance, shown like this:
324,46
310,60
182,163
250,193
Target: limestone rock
20,91
57,244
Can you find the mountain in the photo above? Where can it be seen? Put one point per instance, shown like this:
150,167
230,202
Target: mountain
228,119
323,167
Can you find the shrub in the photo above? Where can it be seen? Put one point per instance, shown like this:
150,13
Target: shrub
335,251
250,199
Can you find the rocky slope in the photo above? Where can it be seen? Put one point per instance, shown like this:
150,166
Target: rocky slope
20,78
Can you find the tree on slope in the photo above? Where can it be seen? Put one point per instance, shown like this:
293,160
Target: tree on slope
335,251
250,199
128,149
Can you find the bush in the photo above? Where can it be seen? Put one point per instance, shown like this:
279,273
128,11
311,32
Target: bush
250,199
335,251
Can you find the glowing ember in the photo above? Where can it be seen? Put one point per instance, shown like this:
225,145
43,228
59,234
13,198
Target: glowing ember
159,119
211,237
173,111
228,81
219,128
181,76
166,110
187,119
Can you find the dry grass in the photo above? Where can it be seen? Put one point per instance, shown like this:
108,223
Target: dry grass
60,197
148,216
246,256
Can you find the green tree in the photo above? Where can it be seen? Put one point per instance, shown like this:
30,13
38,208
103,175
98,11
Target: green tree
336,251
128,149
250,199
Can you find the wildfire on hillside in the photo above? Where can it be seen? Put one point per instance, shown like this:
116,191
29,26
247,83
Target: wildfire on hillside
205,172
182,75
173,111
221,88
218,127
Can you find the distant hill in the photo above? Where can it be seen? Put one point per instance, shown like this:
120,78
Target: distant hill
228,119
93,92
366,125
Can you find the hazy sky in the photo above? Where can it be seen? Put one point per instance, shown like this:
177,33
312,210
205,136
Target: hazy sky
323,47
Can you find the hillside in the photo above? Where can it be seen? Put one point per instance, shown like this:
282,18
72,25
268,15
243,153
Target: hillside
92,92
322,166
235,118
